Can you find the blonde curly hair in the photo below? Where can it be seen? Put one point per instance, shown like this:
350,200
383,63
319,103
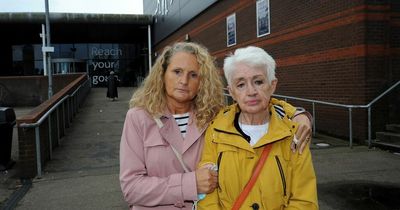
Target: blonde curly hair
151,95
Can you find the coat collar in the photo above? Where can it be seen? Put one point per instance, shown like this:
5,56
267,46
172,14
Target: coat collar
279,128
169,130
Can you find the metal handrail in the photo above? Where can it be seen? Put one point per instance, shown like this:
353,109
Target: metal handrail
40,121
383,94
348,106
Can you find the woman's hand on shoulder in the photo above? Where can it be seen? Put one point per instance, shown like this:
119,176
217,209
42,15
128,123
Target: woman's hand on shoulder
303,133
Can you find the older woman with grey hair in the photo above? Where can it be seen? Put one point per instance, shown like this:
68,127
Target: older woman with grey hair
163,134
249,143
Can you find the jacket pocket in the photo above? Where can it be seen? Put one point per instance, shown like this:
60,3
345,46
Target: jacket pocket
159,157
226,173
152,142
282,174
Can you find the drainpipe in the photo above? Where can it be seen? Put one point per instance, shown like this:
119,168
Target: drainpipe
149,45
50,72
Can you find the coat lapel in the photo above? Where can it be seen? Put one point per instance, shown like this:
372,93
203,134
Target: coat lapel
170,132
192,133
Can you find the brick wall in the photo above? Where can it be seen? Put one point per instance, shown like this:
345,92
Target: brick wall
336,51
30,90
27,163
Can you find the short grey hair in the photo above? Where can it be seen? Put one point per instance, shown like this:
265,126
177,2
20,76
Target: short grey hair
252,56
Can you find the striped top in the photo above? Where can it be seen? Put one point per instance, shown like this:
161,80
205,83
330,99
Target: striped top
182,121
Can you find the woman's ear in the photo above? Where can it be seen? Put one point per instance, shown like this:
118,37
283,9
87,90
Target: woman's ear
231,92
273,85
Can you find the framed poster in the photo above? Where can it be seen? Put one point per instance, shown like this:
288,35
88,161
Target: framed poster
262,18
231,30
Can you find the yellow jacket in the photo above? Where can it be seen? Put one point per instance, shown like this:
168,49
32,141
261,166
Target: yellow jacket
287,180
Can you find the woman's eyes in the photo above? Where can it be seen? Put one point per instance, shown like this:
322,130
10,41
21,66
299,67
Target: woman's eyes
256,82
240,85
194,75
177,71
191,74
259,82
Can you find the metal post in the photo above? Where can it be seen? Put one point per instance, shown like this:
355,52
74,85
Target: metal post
87,73
369,127
71,110
350,129
50,73
58,126
313,119
149,45
74,104
38,156
68,110
43,36
50,138
63,114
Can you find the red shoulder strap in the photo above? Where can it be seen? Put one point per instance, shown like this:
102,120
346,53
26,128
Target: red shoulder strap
260,164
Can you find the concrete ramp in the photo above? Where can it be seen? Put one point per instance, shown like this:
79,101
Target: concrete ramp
83,173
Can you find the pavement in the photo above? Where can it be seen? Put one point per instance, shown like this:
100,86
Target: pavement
83,173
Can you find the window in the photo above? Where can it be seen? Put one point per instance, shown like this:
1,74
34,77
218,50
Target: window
231,30
263,18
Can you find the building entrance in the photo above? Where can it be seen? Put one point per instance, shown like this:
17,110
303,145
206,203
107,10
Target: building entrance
68,65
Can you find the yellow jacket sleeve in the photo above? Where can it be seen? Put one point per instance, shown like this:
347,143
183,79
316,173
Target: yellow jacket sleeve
289,109
303,183
209,155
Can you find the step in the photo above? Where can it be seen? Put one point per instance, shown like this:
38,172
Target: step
395,128
386,146
388,137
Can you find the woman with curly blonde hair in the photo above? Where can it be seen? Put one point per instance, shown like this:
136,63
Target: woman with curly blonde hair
209,99
163,134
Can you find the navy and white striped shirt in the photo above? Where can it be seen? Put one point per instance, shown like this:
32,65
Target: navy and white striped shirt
182,121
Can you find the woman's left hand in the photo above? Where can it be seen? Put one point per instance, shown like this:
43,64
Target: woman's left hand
303,133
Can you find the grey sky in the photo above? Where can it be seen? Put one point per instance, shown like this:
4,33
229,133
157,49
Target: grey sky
74,6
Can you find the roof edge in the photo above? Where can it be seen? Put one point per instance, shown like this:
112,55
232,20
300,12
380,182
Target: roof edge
39,17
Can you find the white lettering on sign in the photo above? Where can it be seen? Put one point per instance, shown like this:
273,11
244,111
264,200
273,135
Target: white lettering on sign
105,64
162,7
105,53
97,79
100,78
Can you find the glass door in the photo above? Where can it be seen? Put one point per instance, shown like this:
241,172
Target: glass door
68,65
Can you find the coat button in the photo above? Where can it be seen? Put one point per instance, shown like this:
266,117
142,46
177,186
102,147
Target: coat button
255,206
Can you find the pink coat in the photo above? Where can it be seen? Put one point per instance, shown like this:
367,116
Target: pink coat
151,176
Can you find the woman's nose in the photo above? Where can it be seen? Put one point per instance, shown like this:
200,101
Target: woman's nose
251,90
184,79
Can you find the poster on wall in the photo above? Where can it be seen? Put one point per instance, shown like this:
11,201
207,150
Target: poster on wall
231,30
262,18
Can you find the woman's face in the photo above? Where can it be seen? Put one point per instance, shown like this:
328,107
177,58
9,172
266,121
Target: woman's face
182,79
250,89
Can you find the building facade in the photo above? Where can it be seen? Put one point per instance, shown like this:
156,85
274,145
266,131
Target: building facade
338,51
93,43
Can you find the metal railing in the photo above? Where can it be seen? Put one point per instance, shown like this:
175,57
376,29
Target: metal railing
70,104
349,107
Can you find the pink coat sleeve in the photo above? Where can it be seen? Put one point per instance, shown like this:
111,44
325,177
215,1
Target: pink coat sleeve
137,187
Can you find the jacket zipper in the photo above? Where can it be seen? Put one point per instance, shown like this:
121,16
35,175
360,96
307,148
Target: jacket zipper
219,168
282,174
219,159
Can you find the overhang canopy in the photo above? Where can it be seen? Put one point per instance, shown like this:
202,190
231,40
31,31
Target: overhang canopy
39,17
